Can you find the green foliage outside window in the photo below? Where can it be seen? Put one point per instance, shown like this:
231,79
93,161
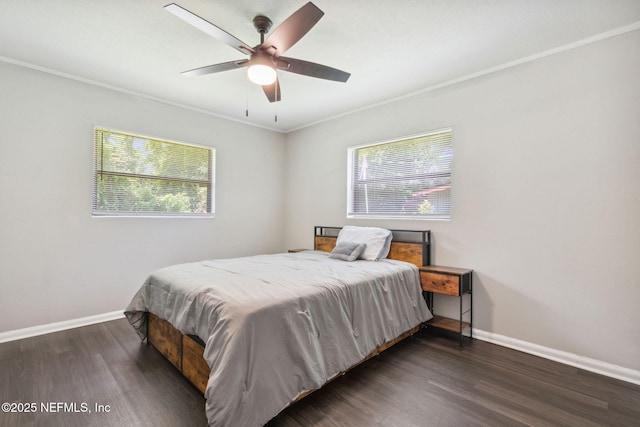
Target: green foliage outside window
146,176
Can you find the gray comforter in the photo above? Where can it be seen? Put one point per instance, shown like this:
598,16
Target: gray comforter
278,325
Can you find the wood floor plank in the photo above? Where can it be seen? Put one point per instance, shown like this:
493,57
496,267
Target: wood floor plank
96,365
489,385
427,380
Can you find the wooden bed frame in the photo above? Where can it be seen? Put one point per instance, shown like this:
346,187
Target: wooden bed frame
186,352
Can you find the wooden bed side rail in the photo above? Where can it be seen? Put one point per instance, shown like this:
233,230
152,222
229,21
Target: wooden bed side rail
412,246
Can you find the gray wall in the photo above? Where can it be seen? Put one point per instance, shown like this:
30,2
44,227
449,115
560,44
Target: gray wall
545,198
546,201
57,262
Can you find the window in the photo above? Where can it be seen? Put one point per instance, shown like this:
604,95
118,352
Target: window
139,175
405,178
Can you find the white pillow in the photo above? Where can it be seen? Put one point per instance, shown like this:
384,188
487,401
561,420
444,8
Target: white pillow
377,240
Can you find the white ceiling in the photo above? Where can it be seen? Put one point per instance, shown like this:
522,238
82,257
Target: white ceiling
391,48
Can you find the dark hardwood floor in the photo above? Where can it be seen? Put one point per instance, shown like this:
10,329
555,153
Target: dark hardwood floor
427,380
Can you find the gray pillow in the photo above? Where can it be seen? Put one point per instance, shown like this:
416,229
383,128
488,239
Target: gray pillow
347,251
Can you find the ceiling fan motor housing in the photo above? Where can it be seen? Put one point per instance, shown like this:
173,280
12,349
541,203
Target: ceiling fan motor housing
263,25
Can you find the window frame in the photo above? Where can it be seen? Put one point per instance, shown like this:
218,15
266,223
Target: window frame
351,180
210,183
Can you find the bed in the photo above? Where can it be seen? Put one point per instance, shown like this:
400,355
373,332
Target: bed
258,333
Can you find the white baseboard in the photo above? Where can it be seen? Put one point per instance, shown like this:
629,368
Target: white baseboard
33,331
588,364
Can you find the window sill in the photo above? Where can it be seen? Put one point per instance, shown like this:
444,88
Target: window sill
401,217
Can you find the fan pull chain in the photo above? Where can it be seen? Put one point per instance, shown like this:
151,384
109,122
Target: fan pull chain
275,107
246,110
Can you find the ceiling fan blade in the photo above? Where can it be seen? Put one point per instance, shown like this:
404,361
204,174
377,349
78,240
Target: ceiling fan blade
216,68
293,29
209,28
312,69
272,91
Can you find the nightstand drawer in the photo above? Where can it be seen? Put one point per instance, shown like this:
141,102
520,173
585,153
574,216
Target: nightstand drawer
440,283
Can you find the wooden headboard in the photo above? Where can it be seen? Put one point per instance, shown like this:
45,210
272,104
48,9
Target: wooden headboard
412,246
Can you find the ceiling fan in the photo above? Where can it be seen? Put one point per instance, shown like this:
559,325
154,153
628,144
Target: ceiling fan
265,58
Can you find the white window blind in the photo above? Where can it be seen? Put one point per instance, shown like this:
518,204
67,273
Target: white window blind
139,175
409,177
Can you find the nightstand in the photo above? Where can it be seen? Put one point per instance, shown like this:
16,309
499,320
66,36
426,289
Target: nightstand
450,281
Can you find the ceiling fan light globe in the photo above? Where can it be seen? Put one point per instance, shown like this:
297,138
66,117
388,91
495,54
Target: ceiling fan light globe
261,74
